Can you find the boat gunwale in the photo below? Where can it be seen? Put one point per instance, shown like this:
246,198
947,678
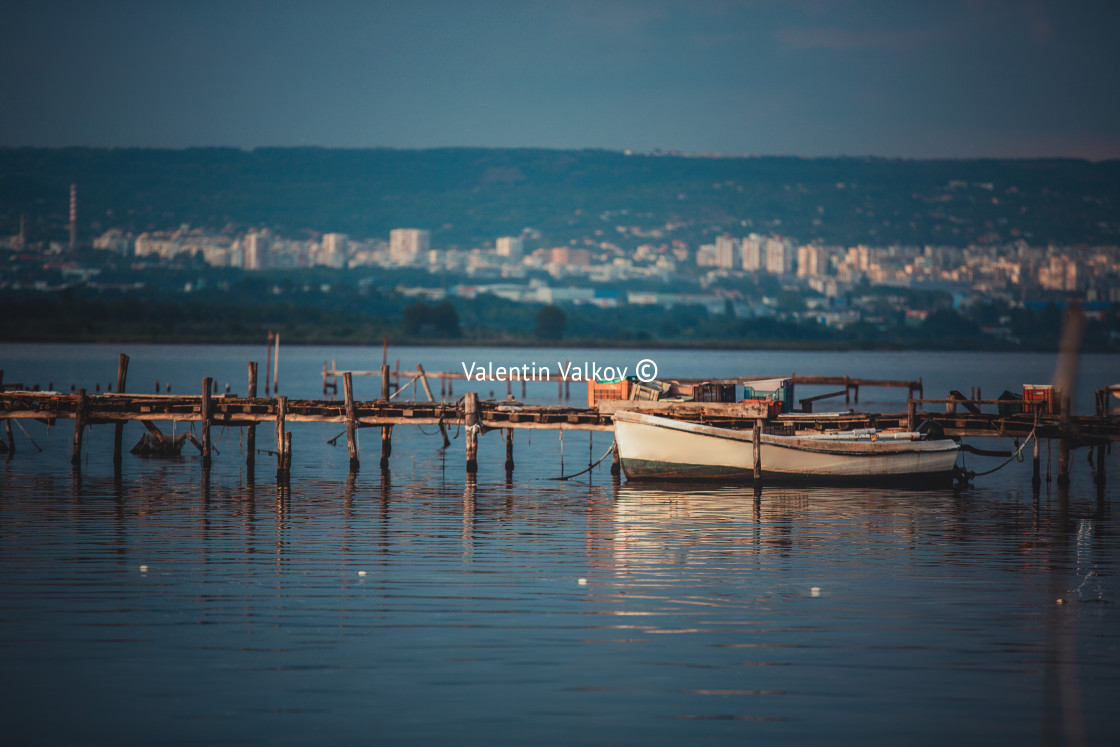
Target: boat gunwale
808,444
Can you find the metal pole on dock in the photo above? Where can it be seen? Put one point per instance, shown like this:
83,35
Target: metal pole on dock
251,436
206,414
470,401
118,429
79,429
351,420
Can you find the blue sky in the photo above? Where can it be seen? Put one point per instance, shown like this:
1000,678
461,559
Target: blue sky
908,79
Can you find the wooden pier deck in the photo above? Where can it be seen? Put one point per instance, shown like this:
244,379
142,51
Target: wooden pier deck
957,416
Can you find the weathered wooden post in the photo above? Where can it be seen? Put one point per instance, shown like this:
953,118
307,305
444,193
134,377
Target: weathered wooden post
1063,445
351,420
118,429
428,394
268,363
79,428
281,442
276,366
756,441
911,414
206,383
385,381
1036,476
251,436
386,445
616,466
1100,467
470,402
509,451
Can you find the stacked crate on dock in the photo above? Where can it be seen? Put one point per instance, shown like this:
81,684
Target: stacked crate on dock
1041,396
713,392
775,390
616,389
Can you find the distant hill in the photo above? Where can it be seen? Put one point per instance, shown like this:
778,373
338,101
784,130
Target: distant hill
466,196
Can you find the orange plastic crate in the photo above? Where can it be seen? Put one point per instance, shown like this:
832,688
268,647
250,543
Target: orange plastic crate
597,390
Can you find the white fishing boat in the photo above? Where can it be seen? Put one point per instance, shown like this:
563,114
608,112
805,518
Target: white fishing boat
657,448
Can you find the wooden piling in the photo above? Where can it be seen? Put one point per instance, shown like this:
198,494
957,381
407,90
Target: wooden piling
1036,476
79,429
276,366
281,441
251,435
616,465
509,451
471,419
1063,445
385,381
351,420
428,394
1100,466
268,363
756,442
206,416
386,445
118,429
911,415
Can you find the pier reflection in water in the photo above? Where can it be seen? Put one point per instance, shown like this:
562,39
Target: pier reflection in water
422,606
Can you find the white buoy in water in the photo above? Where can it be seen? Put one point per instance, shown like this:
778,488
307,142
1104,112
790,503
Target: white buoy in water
143,569
582,582
361,573
815,591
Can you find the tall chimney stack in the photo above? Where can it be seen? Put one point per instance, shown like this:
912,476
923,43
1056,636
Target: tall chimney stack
73,216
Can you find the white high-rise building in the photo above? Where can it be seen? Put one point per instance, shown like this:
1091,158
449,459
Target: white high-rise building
727,252
255,254
406,244
754,258
509,246
334,250
779,256
810,261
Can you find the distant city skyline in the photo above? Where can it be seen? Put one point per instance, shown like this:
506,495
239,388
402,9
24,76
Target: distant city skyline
954,79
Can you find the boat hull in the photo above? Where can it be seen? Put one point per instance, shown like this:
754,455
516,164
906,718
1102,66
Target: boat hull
654,448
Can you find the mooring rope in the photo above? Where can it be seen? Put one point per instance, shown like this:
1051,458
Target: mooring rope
1016,455
588,468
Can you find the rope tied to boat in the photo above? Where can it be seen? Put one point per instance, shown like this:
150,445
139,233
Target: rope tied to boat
588,468
1016,455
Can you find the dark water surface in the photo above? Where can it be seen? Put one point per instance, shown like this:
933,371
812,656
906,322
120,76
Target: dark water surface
167,606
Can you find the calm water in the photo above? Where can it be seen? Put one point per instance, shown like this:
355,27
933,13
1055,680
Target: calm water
165,606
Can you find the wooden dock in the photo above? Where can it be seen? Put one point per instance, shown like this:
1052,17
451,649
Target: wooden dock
956,415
